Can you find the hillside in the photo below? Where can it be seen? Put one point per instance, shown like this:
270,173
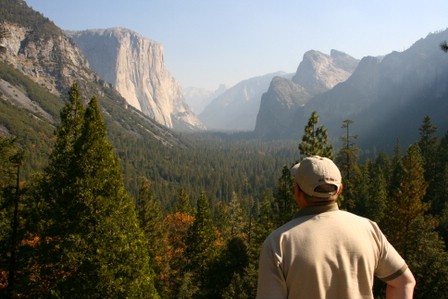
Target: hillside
34,89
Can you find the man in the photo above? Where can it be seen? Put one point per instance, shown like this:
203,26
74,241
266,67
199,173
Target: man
325,252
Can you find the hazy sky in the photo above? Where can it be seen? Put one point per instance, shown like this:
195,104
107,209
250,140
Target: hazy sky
212,42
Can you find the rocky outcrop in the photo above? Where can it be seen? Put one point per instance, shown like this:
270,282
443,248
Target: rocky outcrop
390,94
39,51
51,60
134,65
319,72
316,74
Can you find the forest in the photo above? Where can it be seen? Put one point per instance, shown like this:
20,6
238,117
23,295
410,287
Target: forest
98,220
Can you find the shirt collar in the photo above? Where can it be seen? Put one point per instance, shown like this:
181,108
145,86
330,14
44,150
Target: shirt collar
317,209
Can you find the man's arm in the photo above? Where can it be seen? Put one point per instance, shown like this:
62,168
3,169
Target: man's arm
401,287
271,283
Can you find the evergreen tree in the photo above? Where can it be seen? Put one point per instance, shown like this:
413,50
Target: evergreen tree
201,246
152,222
412,231
92,246
428,144
284,205
440,198
347,159
232,261
315,139
183,204
230,218
11,158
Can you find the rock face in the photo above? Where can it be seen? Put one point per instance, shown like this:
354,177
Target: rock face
50,60
387,98
134,65
316,74
41,52
236,109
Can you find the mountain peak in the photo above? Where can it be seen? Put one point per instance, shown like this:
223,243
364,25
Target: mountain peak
134,65
319,72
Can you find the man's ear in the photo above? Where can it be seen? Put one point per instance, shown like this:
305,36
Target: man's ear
341,187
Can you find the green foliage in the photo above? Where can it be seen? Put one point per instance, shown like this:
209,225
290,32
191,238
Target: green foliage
17,11
33,133
245,192
201,243
412,231
11,157
284,206
151,218
347,160
315,139
92,244
230,266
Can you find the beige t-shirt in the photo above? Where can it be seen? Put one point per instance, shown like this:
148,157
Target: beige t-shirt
326,253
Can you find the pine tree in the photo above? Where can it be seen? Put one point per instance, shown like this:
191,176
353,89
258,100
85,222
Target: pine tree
428,144
11,159
92,243
284,205
229,218
232,261
54,183
347,159
315,139
442,187
152,222
201,246
412,231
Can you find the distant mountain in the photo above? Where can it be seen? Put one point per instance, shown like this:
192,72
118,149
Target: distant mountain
199,98
316,74
135,67
236,109
387,98
42,62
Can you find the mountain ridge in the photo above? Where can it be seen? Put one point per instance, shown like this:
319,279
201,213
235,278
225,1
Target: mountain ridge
316,73
40,51
236,109
134,65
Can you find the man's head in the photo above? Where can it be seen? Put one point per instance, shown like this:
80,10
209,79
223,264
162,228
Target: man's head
319,178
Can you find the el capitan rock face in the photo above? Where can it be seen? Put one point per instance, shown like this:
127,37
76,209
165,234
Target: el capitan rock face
134,65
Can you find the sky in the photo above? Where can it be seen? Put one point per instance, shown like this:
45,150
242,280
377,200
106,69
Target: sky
212,42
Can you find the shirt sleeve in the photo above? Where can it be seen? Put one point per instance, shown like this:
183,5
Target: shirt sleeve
390,264
271,282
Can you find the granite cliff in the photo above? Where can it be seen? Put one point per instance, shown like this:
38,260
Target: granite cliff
316,74
134,65
44,55
388,97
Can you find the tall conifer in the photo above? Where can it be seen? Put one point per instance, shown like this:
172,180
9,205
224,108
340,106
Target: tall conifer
201,242
92,244
284,205
412,231
428,144
315,139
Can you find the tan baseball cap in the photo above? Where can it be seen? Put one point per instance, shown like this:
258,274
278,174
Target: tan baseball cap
315,171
